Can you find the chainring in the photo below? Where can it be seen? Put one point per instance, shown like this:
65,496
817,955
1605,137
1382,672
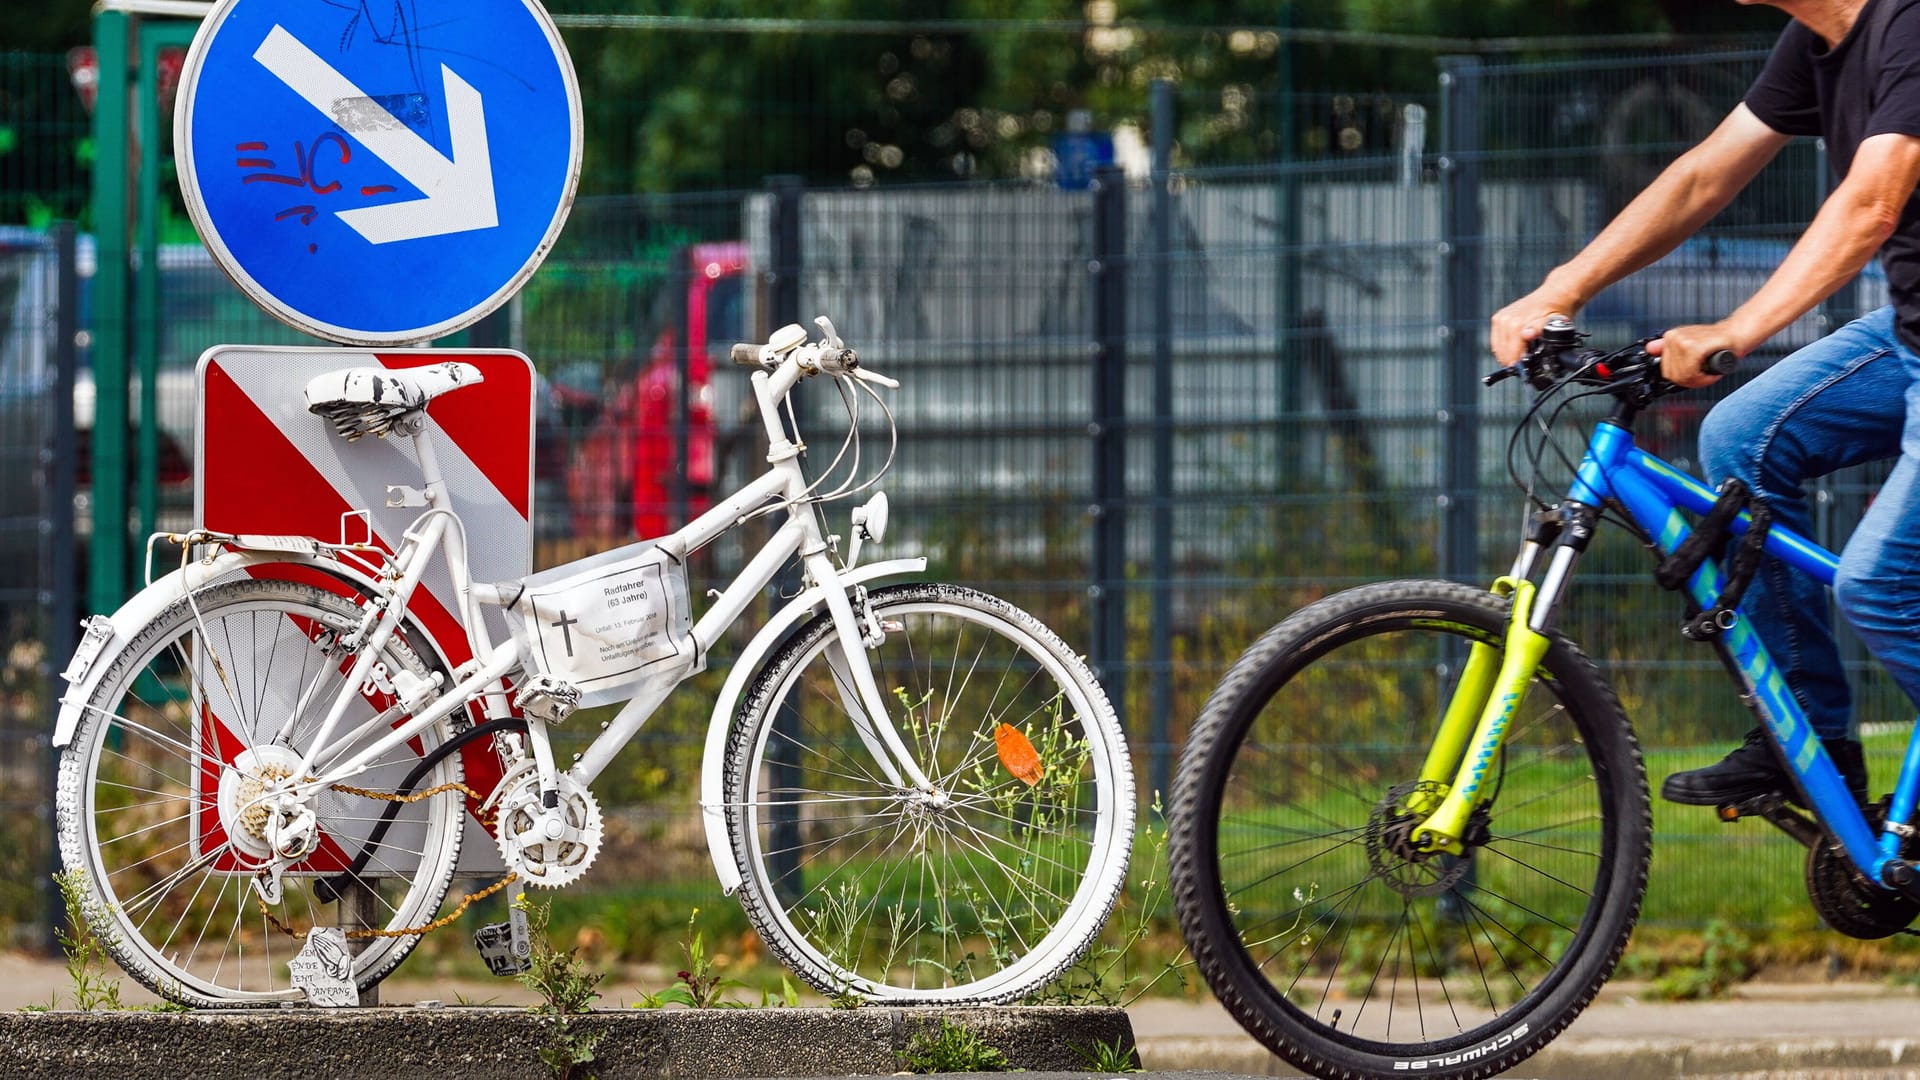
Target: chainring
1855,909
542,861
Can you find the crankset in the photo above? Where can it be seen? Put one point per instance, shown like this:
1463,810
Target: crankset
1840,896
549,843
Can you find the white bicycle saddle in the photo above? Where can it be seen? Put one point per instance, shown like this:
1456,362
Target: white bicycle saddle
367,400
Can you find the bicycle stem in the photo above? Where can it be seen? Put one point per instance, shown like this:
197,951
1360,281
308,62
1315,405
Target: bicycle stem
1494,695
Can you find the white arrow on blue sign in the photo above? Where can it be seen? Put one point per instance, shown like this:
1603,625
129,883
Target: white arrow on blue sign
378,174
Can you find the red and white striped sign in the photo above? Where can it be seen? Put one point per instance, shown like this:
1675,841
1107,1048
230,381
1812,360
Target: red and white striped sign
264,464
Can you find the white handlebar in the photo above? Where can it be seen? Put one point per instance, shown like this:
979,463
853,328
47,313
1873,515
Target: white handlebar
828,355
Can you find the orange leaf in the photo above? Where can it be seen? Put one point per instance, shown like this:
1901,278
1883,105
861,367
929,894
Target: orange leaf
1018,755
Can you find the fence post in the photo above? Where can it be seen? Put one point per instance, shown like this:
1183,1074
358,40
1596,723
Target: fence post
679,280
1289,424
1462,307
109,564
61,597
1160,629
783,307
1108,271
783,231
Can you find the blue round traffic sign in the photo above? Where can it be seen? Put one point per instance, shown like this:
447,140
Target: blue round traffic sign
378,174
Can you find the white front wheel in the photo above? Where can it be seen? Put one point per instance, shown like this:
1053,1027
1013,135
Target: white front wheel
982,889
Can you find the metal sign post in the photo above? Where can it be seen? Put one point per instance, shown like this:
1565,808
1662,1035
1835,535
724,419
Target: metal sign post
375,177
378,179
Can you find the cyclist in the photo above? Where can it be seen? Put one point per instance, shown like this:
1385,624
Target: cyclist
1848,71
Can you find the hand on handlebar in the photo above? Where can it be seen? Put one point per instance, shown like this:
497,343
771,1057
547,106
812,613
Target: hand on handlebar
1695,356
1520,322
1556,353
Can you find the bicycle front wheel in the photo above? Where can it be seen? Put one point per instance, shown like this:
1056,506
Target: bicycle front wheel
157,807
1331,938
982,890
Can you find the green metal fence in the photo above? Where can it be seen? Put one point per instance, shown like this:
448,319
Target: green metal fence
1160,413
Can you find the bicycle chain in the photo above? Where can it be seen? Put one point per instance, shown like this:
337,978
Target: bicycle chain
389,796
426,928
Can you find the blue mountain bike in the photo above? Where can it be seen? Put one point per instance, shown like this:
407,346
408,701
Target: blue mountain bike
1410,829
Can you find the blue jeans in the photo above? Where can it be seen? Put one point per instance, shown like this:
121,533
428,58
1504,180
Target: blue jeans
1852,397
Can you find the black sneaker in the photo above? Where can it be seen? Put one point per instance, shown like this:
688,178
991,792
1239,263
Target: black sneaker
1754,769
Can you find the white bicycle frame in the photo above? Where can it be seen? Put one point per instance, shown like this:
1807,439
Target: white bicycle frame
826,584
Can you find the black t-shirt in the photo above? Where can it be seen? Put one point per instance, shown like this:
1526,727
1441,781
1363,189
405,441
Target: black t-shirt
1808,89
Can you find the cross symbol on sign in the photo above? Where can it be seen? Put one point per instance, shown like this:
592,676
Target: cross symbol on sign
564,622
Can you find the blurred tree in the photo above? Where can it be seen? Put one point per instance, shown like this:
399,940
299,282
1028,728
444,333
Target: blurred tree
704,107
1535,18
46,25
927,89
947,94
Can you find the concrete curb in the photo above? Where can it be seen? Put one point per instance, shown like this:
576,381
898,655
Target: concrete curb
484,1043
1609,1058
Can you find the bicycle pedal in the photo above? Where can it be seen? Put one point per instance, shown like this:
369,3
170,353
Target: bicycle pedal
1758,806
506,947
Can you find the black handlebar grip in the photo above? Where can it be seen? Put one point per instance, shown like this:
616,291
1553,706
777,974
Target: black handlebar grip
746,355
1721,362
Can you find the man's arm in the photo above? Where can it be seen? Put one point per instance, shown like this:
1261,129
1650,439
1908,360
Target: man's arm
1685,196
1853,224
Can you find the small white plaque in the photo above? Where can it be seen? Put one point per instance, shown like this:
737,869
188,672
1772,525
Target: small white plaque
324,969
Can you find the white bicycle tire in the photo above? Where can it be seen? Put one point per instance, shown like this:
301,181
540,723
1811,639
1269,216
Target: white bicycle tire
1108,847
78,822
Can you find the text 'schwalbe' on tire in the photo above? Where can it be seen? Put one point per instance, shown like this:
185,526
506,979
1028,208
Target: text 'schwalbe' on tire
982,892
1331,940
168,870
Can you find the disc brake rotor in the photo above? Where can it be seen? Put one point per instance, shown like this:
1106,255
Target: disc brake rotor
1391,853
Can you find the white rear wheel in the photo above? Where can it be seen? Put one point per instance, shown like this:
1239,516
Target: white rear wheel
157,799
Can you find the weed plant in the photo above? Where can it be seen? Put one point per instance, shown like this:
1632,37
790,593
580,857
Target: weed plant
567,988
951,1048
1114,1057
84,947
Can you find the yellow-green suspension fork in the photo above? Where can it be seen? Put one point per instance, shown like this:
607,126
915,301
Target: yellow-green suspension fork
1466,749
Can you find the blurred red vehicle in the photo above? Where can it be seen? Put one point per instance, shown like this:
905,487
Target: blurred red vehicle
625,478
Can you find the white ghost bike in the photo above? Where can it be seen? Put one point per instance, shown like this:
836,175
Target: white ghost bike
917,791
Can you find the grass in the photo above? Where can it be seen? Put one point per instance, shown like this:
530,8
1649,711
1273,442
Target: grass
951,1048
1114,1057
1745,877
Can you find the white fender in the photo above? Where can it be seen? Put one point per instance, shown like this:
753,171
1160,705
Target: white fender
91,660
713,812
